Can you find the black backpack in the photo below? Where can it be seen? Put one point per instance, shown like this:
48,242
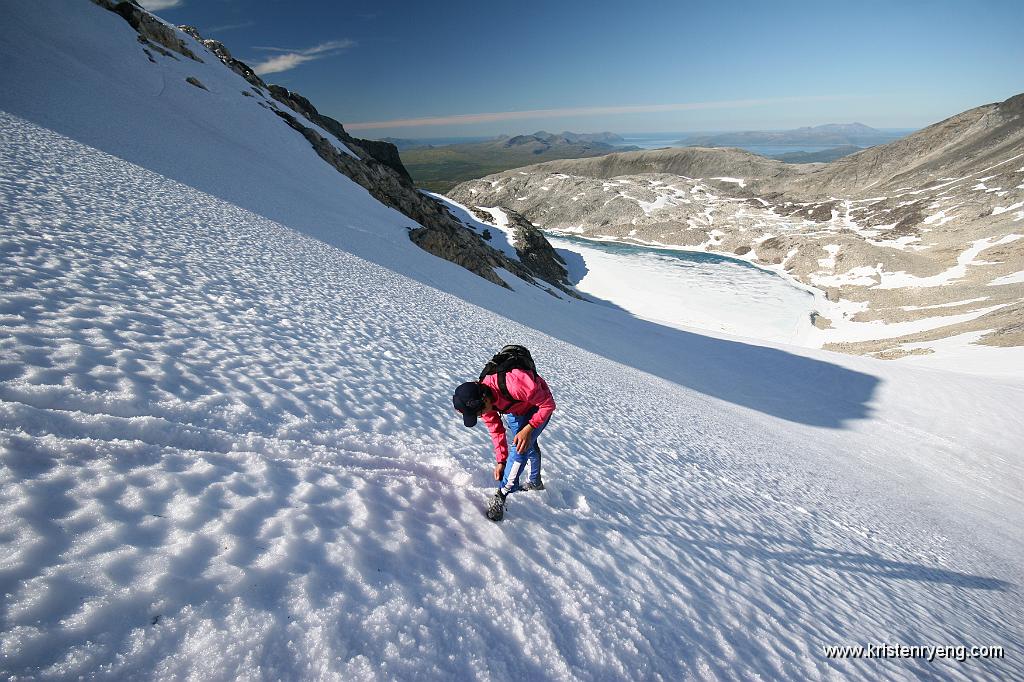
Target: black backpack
509,357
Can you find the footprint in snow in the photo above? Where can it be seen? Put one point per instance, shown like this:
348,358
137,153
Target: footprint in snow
560,499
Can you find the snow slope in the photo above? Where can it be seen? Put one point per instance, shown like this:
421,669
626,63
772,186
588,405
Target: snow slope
227,449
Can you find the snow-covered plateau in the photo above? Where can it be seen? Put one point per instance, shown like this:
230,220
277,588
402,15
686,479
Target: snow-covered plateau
228,449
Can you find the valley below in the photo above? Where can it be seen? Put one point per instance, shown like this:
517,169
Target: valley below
913,248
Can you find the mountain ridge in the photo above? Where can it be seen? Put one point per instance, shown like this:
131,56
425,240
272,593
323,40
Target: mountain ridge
937,148
375,165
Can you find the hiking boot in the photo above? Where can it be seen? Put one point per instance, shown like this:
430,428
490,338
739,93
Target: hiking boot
496,508
530,485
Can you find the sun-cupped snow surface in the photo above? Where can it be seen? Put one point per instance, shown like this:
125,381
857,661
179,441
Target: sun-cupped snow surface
228,452
227,446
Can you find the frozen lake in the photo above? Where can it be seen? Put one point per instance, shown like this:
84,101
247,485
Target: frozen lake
690,290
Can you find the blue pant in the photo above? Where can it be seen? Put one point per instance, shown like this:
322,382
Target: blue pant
517,460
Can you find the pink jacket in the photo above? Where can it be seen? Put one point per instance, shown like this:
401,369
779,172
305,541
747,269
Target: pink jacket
529,393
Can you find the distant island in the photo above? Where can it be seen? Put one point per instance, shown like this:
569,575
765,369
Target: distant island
439,168
829,135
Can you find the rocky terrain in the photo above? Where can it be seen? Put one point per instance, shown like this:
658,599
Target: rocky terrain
823,156
373,164
910,243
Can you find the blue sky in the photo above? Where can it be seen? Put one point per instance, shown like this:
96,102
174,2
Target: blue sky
419,69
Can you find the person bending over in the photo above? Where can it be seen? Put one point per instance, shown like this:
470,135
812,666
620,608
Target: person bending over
523,398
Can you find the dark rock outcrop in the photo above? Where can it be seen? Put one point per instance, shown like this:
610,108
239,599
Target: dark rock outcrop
536,252
222,53
149,27
383,152
440,234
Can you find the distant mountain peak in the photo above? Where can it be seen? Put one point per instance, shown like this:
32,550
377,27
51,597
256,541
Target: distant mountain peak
844,127
827,135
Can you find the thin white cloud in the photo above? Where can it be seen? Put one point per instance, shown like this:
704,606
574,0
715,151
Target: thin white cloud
289,59
230,27
330,46
284,62
157,5
457,119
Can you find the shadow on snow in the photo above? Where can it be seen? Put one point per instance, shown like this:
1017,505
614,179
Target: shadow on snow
782,384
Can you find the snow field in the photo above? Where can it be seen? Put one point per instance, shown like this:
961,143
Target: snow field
229,453
738,181
227,448
720,296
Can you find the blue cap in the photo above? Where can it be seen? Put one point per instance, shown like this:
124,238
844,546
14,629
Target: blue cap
469,400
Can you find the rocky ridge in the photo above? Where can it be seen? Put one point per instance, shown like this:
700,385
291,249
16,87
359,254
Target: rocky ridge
533,249
910,243
374,165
